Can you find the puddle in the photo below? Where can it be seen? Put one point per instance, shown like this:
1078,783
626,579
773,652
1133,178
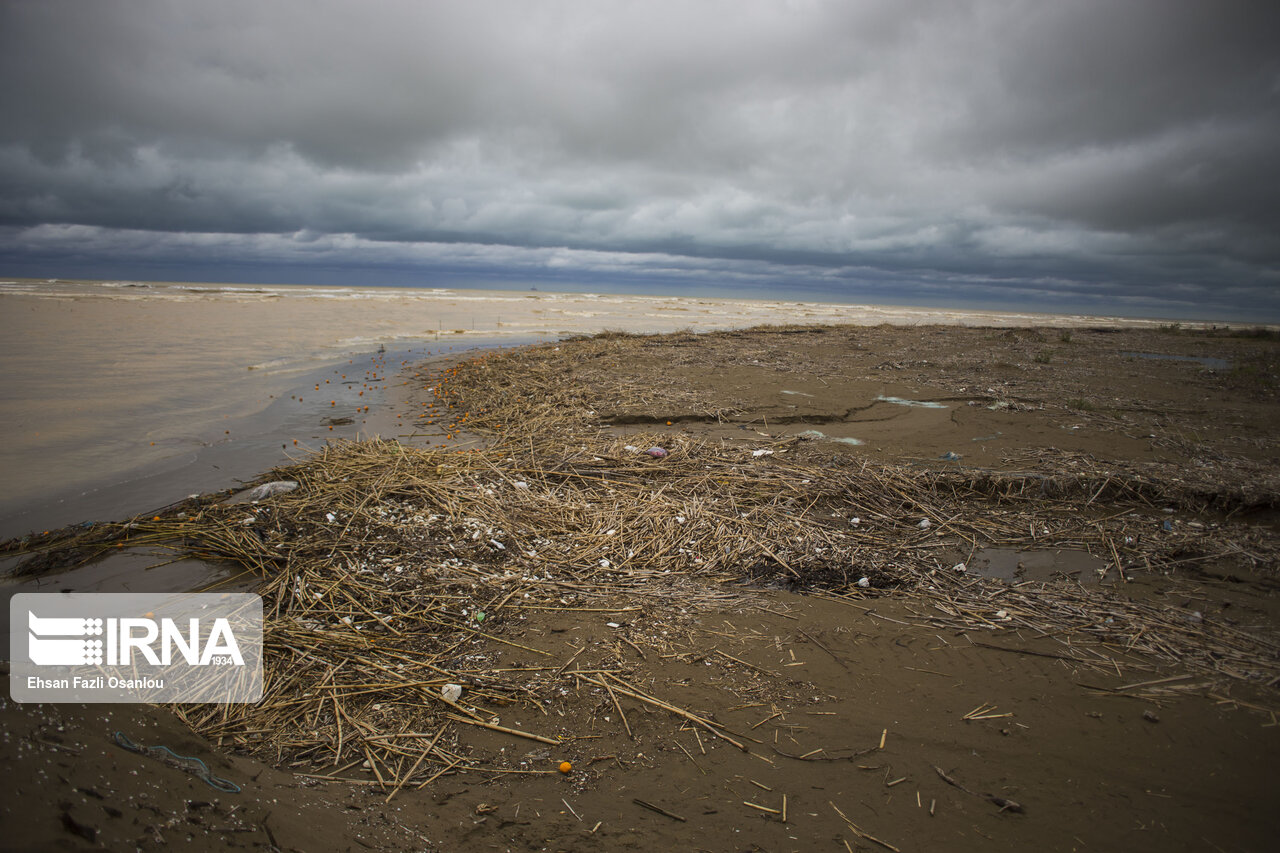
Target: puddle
1205,361
898,401
136,570
1016,566
129,570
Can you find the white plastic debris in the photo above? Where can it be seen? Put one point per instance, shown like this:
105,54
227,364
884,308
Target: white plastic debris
924,404
604,564
613,624
865,583
451,692
855,521
762,452
925,524
266,490
1002,615
521,485
959,567
330,517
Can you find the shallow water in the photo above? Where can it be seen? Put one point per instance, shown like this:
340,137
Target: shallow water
125,460
1045,565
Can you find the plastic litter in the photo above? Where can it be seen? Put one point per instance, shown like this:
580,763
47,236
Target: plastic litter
451,692
949,456
864,582
266,490
814,435
192,765
656,452
1168,526
762,452
959,567
925,524
923,404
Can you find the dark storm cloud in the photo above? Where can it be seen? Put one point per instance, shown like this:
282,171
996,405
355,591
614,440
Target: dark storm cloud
1097,150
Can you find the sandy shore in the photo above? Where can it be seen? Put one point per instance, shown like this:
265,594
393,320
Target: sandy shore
1101,675
110,382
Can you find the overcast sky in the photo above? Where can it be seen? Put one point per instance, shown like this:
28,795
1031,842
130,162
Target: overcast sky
1117,156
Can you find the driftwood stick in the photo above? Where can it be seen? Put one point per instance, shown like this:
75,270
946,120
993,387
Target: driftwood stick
658,703
1004,803
811,756
659,809
414,768
505,730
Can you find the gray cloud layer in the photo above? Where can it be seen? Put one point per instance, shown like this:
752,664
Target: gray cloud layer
1110,151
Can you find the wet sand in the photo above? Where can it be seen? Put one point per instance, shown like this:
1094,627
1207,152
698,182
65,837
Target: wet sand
1091,770
872,721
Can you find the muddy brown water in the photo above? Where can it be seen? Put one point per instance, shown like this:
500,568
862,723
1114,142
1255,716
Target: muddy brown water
1008,564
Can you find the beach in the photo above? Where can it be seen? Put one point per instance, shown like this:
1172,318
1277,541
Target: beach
135,394
765,577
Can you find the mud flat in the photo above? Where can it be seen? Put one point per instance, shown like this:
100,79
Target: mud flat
1033,607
